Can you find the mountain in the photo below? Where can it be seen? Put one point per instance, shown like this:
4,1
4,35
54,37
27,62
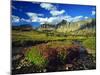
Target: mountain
47,27
83,27
80,28
23,27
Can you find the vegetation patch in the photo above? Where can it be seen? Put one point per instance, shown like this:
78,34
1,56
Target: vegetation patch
34,56
90,44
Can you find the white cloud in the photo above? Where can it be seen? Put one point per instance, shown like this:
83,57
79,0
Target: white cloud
15,19
53,9
34,17
37,18
14,7
77,18
25,20
86,17
70,19
43,20
74,19
93,12
54,20
56,12
48,6
50,20
34,14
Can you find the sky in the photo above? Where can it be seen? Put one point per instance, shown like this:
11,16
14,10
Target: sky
37,13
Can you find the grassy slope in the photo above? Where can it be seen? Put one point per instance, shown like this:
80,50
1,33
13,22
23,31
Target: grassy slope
32,35
89,43
38,36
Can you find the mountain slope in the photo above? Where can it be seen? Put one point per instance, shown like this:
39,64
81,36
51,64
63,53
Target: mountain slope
80,27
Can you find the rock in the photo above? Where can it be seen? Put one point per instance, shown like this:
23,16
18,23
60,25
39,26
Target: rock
17,57
44,70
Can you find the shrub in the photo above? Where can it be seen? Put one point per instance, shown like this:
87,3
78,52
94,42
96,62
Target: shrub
48,57
36,58
62,53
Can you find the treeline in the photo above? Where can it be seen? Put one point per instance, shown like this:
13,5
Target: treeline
25,27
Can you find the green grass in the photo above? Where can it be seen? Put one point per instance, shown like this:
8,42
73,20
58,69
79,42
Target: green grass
90,44
36,58
33,35
40,55
22,36
59,43
38,36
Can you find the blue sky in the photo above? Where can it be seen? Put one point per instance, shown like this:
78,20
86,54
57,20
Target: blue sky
39,13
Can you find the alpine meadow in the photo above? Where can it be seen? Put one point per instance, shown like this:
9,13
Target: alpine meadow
52,37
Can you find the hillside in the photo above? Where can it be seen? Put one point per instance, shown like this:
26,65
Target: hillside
54,45
83,27
80,27
46,27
